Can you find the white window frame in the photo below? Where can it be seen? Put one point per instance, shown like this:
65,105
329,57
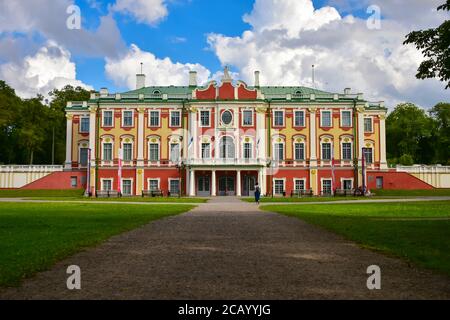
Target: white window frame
321,185
159,150
299,179
251,149
349,179
227,155
102,186
294,151
112,118
371,124
170,118
273,185
331,150
149,118
80,146
81,120
274,117
131,187
243,117
284,150
170,181
103,150
123,150
123,118
201,150
373,155
342,151
154,179
295,118
201,125
321,118
342,118
170,152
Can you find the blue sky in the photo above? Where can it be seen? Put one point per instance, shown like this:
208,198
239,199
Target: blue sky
282,39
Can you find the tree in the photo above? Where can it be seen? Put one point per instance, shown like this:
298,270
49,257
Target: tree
441,115
408,130
435,46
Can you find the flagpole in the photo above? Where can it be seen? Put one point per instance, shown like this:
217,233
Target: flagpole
363,164
119,175
88,174
333,183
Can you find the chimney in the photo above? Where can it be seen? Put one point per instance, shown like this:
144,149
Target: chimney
257,79
347,91
140,81
104,92
192,78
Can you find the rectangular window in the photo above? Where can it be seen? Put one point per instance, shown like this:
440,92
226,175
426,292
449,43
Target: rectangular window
153,185
107,152
247,150
174,152
126,187
127,152
346,151
206,150
278,186
368,125
154,119
299,151
84,125
278,119
73,182
299,184
247,118
174,187
107,118
106,185
128,118
346,118
299,117
326,151
326,119
368,155
175,119
84,157
379,182
204,118
153,152
326,187
347,184
279,152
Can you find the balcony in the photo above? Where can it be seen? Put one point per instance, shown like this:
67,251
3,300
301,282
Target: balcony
226,162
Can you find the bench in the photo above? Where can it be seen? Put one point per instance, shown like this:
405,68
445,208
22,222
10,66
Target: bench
302,193
175,194
152,193
344,192
107,194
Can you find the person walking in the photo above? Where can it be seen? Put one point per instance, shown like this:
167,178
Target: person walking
257,193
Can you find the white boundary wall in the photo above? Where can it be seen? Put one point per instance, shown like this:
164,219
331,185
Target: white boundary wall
13,176
438,176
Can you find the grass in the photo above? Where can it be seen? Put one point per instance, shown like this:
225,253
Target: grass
418,232
33,237
310,199
413,193
24,193
125,199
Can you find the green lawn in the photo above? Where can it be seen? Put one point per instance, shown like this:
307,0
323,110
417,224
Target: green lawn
35,236
413,193
418,232
24,193
308,199
126,199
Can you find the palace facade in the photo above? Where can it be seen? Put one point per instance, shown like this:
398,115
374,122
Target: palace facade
224,138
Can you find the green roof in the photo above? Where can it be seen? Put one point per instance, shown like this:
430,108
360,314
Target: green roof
162,90
292,90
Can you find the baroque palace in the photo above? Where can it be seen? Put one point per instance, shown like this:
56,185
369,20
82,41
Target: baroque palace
224,138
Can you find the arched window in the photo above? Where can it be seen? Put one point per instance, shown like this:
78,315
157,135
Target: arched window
227,148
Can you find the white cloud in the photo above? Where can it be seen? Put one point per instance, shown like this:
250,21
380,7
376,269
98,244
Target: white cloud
158,71
288,36
42,72
144,11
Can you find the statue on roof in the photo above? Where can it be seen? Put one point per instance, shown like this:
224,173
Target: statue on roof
226,75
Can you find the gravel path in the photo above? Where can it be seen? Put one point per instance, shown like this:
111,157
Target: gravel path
228,249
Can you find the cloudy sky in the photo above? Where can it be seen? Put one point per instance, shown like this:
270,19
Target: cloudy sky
281,38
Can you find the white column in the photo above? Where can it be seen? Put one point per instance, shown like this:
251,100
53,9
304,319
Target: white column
383,160
69,129
360,133
194,132
262,187
261,134
92,134
313,136
238,184
140,137
213,184
192,183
